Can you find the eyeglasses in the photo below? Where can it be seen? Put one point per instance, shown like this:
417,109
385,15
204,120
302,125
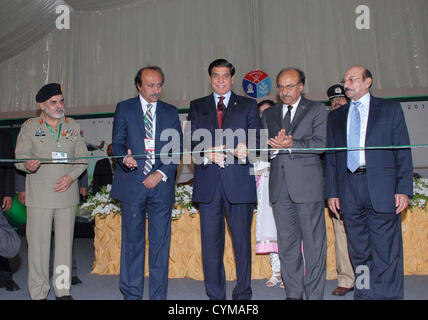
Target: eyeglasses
350,80
288,87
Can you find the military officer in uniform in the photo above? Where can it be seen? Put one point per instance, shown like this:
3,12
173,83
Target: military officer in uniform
52,191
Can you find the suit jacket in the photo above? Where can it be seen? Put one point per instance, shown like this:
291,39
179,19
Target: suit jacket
103,175
7,171
237,179
36,142
302,169
389,171
129,133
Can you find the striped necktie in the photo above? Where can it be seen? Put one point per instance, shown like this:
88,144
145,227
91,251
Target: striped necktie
354,137
148,125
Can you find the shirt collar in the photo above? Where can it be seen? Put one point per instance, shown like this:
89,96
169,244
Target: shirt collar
226,98
295,105
364,100
144,104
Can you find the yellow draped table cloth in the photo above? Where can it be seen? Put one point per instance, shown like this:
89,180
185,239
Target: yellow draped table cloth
185,254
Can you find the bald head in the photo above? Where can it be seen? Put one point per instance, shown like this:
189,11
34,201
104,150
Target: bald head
290,83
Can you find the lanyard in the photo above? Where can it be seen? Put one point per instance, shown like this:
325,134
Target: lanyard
53,134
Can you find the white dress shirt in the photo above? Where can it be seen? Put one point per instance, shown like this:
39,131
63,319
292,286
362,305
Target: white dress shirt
364,116
144,104
293,111
225,101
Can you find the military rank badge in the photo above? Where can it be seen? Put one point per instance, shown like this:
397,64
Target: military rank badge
69,133
40,133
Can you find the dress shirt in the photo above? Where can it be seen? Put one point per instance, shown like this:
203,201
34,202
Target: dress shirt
293,111
225,101
144,104
364,116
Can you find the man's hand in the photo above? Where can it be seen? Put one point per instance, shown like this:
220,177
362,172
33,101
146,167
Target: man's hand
241,151
153,180
83,191
129,161
334,205
7,203
401,202
216,157
21,197
281,141
63,183
32,165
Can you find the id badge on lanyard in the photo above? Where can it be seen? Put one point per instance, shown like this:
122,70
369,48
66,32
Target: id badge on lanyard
59,157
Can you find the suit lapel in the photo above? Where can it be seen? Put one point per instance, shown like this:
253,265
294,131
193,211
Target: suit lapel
231,107
343,125
211,110
373,117
159,122
298,116
140,115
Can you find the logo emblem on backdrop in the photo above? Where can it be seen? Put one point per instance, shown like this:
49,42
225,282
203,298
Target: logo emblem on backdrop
256,84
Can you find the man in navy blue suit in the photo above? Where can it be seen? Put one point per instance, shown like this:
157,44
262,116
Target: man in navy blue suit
147,132
223,182
370,187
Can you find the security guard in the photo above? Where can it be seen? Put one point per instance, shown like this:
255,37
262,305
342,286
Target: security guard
345,272
51,190
337,96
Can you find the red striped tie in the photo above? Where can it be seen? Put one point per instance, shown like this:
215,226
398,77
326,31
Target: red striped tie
220,111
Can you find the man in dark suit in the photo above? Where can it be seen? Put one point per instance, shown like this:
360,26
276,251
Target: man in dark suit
103,172
370,187
10,242
222,186
146,126
296,186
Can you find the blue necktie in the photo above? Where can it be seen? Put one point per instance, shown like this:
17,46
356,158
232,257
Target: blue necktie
354,137
148,125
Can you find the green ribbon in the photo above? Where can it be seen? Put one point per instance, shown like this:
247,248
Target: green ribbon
158,155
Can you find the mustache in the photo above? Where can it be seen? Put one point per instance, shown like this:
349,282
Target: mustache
155,95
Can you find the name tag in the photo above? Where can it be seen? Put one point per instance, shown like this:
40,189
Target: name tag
149,144
58,156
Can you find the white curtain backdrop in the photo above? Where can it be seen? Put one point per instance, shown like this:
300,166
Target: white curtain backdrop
108,41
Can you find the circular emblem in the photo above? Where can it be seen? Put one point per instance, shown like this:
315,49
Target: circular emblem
256,84
338,90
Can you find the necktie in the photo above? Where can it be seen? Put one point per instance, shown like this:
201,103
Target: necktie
220,111
148,125
354,137
287,120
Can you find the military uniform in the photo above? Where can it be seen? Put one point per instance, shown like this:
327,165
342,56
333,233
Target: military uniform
35,141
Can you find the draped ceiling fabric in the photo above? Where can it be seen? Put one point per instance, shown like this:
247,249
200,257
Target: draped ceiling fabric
108,41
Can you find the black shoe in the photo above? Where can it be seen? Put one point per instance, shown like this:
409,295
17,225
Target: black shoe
65,298
293,298
75,280
9,285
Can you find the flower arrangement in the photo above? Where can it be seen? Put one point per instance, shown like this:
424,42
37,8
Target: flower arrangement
420,189
183,201
102,204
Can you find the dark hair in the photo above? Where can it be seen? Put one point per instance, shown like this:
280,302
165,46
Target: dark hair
269,102
367,74
221,63
137,79
302,77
